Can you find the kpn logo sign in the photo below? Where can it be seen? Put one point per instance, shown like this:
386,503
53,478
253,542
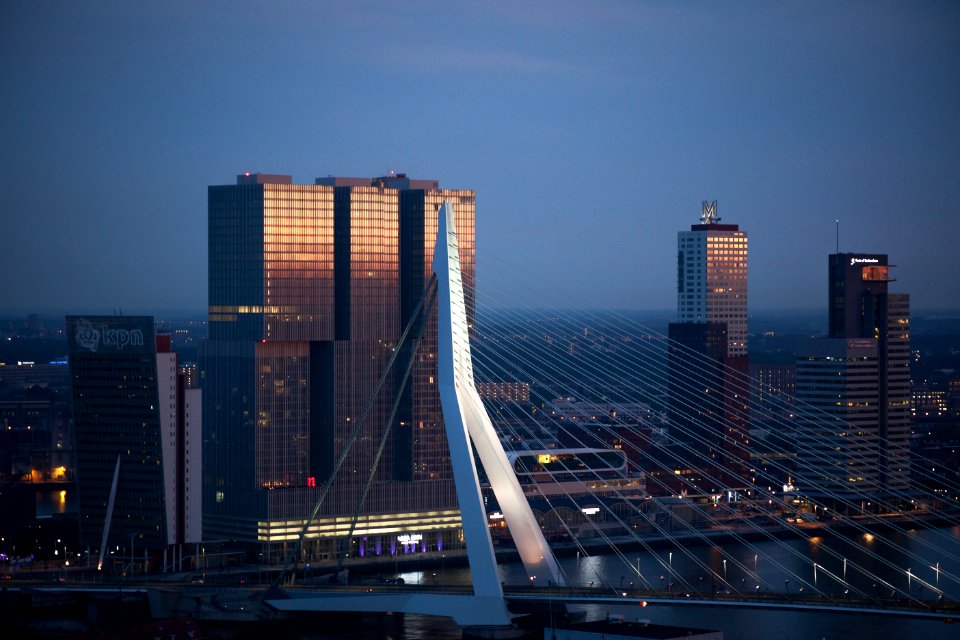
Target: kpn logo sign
86,335
110,333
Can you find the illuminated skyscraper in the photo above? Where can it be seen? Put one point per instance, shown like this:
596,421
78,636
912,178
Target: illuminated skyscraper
310,289
709,404
712,277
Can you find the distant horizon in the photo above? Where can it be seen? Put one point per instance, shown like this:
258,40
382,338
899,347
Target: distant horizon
185,312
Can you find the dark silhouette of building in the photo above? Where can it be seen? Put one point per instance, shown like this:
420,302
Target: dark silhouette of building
129,403
697,407
853,389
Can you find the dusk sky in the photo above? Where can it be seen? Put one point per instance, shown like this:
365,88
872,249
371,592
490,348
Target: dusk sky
591,132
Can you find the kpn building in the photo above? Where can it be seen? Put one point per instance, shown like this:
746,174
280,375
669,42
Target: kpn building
310,289
138,444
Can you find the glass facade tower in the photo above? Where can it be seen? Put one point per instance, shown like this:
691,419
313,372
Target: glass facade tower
310,288
712,415
712,280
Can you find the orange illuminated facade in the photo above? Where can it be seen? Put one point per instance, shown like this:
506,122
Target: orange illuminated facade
310,289
712,415
712,280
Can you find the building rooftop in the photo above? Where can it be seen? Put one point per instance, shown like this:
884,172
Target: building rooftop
392,181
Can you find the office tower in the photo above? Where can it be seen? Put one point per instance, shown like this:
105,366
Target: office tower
837,417
773,407
310,288
129,402
181,416
712,277
711,401
853,389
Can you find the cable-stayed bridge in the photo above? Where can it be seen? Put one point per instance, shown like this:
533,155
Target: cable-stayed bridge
616,470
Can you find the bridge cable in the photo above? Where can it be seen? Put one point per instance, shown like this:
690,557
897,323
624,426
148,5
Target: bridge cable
389,423
353,435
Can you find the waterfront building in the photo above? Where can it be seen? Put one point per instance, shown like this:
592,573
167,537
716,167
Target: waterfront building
130,403
310,288
853,389
712,277
708,403
579,490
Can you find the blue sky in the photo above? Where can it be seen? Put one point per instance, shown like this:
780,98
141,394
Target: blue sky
590,130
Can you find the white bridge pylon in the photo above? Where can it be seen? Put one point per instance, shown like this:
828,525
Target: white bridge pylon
466,420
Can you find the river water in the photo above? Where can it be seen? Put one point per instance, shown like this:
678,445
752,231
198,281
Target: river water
768,564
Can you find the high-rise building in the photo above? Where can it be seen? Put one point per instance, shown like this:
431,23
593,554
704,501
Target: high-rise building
708,404
310,289
853,389
712,277
837,417
129,402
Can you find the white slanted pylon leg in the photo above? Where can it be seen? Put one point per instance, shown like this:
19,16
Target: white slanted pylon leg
465,415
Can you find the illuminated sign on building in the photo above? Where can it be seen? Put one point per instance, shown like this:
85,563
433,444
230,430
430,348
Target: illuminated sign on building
708,212
854,261
110,333
409,538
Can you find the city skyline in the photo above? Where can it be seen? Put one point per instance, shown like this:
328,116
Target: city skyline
585,131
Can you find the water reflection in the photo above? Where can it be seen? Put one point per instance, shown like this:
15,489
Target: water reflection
51,502
865,566
857,562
